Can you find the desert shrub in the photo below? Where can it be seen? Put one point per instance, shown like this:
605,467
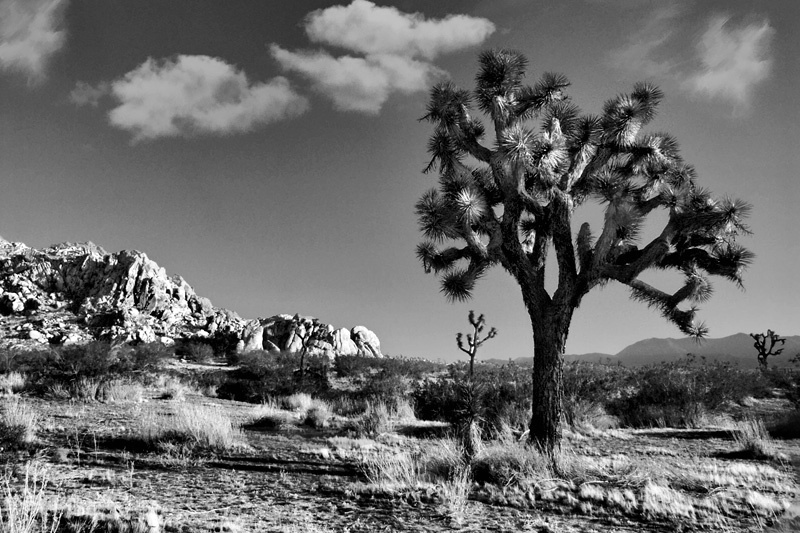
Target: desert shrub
191,426
496,397
588,387
195,351
786,426
263,374
18,423
507,463
409,368
149,356
384,386
678,394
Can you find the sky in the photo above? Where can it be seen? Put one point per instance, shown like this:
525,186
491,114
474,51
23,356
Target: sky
271,153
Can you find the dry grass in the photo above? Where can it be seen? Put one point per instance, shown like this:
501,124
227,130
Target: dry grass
455,495
376,420
299,402
393,470
194,425
18,422
753,439
122,390
26,509
12,382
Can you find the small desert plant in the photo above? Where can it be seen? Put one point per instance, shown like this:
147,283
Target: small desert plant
376,420
26,510
18,423
191,425
752,437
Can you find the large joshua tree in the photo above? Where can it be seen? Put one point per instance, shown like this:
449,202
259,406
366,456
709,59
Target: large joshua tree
512,200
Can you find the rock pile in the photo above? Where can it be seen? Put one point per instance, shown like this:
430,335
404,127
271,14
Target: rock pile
76,292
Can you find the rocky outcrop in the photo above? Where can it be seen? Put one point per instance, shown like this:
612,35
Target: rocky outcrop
75,292
294,333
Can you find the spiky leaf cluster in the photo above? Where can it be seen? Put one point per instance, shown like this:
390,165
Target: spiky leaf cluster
511,201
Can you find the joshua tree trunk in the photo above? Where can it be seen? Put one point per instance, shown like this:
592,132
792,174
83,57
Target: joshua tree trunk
550,336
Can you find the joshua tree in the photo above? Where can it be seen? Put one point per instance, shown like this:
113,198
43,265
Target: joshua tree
512,199
307,331
765,344
473,339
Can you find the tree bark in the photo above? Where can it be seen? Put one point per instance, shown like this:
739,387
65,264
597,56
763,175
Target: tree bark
550,337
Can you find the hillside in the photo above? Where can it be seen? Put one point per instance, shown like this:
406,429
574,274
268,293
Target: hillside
72,293
737,349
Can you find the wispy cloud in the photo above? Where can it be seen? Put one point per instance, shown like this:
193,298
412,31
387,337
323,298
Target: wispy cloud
30,34
644,50
727,62
393,51
194,95
734,60
87,94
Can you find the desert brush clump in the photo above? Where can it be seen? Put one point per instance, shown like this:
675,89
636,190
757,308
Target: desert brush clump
18,423
511,199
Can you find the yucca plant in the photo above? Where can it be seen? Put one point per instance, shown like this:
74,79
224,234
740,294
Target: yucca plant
473,339
511,200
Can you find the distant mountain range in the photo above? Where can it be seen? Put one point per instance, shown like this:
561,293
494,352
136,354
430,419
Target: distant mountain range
737,349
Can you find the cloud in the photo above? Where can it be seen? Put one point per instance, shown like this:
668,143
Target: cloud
392,52
727,62
366,28
644,51
734,60
356,83
30,34
87,94
193,94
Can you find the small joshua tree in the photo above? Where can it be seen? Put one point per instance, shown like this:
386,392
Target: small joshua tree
766,344
307,331
473,339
